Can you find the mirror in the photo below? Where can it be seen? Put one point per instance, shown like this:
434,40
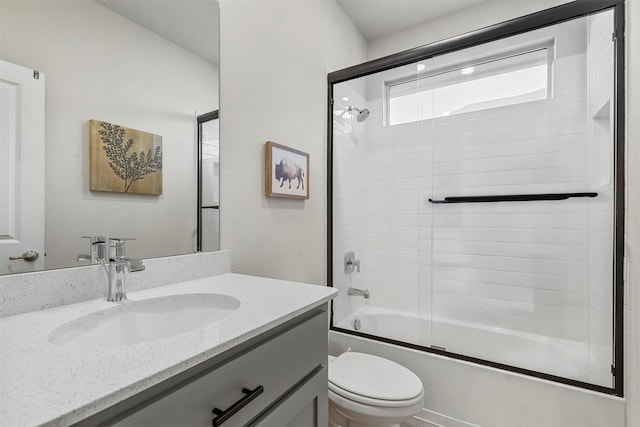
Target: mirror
149,66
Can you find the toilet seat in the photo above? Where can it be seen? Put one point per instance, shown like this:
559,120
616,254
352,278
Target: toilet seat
374,381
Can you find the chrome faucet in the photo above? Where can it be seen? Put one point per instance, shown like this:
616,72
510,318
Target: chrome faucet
113,251
359,292
117,265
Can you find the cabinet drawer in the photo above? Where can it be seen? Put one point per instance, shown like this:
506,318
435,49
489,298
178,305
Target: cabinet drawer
277,365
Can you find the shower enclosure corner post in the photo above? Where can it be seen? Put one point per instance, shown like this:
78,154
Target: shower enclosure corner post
619,131
330,191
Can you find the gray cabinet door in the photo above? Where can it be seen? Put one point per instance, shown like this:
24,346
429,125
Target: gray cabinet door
304,406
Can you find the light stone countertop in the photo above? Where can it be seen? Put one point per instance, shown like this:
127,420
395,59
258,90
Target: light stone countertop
45,385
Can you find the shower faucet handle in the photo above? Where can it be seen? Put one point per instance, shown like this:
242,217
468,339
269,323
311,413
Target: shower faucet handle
351,263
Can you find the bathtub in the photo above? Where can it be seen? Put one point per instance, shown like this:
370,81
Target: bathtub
461,393
555,356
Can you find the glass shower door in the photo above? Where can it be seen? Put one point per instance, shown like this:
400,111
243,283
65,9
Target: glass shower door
376,211
522,201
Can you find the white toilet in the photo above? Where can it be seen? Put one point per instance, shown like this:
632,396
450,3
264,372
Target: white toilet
367,390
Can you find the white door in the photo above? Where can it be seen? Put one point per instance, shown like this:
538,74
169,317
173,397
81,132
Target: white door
21,168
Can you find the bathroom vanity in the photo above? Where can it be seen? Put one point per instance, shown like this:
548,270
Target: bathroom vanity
279,381
262,363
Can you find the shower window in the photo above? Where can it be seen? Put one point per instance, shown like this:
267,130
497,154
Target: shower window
488,83
527,279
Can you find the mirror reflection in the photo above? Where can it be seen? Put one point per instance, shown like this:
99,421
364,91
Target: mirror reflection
148,66
209,182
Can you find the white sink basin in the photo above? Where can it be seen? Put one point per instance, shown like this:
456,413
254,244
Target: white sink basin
134,322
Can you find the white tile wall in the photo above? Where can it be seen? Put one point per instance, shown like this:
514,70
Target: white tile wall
349,196
519,266
541,267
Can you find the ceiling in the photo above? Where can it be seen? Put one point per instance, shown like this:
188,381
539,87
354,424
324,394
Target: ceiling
200,36
376,18
373,18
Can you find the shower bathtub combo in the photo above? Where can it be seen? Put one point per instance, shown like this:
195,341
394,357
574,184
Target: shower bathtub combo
479,184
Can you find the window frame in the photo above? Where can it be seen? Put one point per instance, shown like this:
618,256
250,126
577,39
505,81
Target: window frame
547,45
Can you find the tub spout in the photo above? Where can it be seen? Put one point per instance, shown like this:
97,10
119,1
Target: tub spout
359,292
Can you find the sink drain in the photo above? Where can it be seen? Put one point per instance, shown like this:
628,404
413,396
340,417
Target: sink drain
357,324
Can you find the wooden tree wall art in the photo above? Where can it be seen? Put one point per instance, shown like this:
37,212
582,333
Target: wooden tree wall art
124,160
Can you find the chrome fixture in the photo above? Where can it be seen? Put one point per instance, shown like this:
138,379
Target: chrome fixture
359,292
96,250
351,263
362,114
118,262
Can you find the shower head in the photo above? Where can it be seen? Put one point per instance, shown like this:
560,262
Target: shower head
362,114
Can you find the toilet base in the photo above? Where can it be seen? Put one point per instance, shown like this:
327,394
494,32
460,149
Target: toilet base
341,417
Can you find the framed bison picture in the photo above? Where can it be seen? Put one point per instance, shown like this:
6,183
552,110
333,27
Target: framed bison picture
286,172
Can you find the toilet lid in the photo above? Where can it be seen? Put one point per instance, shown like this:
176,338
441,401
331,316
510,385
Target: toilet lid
373,377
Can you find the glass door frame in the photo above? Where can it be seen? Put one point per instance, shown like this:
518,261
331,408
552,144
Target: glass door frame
572,10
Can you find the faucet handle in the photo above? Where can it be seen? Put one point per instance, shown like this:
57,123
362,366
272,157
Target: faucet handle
97,249
120,240
351,263
118,245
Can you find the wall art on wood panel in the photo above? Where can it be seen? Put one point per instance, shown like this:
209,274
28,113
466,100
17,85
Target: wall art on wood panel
124,160
286,172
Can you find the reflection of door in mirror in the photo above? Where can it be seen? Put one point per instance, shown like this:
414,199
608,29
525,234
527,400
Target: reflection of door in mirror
21,169
208,182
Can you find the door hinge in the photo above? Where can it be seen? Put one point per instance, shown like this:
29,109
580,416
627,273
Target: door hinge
613,370
36,74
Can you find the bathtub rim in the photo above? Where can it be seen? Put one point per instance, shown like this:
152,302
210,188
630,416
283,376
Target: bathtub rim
482,362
